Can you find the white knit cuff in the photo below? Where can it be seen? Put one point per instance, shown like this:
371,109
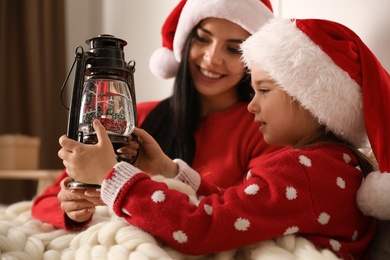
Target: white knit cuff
111,187
187,175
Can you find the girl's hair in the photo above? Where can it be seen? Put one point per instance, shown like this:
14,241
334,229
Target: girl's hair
366,163
174,120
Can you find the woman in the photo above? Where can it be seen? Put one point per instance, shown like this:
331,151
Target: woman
204,121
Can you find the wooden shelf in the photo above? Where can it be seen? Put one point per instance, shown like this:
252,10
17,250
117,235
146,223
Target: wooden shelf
44,177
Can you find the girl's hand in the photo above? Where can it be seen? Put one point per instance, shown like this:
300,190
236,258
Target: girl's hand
130,151
88,163
151,159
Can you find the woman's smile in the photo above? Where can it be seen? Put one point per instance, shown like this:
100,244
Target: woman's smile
210,74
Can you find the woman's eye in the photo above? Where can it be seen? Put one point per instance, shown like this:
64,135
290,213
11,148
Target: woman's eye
200,38
234,50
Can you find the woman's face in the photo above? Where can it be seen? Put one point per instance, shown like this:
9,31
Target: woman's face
282,120
214,58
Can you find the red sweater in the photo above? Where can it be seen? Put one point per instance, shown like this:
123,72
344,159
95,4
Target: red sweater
310,192
228,145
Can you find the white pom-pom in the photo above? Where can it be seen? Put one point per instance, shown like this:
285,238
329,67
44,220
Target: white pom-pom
373,197
163,64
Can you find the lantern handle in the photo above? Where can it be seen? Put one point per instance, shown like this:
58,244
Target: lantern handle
132,65
77,54
81,58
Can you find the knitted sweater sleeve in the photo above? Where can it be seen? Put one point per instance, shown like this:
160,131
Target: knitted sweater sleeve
250,212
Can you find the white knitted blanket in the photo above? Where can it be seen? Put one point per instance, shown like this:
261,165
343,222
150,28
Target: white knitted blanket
110,237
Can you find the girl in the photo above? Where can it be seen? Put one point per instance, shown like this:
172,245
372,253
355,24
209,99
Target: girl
311,80
204,121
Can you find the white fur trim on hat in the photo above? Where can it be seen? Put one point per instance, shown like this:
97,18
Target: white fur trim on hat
292,59
163,64
373,197
249,14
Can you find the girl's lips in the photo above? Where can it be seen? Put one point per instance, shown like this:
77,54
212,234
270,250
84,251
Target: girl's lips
262,124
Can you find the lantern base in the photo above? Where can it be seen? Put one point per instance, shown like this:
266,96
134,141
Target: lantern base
75,185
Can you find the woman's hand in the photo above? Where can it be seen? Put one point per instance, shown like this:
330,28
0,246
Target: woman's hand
79,205
151,159
88,163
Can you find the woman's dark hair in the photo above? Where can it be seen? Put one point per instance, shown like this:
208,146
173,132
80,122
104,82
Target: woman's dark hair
174,120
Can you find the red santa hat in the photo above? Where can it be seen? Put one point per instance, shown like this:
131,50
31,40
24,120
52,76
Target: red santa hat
332,73
249,14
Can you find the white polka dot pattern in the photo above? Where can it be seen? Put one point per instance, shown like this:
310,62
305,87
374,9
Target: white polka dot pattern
323,218
305,161
249,175
208,209
180,236
158,196
291,193
340,182
347,158
252,189
355,235
335,245
291,230
242,224
126,212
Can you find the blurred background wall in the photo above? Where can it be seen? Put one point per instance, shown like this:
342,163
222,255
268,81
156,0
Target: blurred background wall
139,23
136,21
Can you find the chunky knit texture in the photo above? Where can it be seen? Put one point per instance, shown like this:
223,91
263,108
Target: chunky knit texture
110,237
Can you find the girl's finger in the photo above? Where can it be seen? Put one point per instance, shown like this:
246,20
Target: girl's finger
101,133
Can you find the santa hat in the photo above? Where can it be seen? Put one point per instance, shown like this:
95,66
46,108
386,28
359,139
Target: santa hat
249,14
332,73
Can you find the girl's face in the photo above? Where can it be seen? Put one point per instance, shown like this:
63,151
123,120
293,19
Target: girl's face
282,120
214,58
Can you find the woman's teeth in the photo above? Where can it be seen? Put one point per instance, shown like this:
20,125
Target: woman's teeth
209,74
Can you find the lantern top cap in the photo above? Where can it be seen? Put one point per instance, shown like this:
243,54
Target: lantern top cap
106,41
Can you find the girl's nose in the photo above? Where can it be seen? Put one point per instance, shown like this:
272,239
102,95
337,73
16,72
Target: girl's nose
253,107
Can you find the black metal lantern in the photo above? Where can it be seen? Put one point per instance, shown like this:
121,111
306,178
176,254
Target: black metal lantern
103,89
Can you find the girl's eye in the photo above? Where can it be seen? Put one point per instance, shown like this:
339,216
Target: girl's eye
263,90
